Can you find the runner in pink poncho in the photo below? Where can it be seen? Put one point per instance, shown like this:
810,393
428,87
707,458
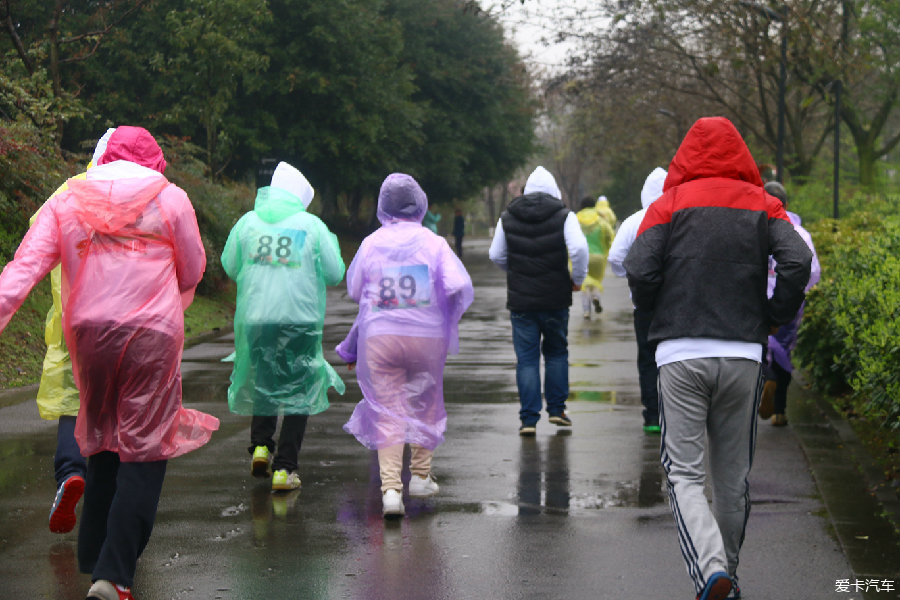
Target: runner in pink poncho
131,257
412,291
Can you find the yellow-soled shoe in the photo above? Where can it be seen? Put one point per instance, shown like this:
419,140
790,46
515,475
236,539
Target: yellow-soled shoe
259,465
282,481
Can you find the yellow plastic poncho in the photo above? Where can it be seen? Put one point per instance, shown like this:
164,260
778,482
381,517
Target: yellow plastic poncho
606,212
57,395
599,234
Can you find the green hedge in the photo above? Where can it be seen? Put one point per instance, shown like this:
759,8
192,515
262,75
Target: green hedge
29,166
849,340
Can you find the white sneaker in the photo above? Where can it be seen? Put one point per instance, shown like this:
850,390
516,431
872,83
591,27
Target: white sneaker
421,487
392,504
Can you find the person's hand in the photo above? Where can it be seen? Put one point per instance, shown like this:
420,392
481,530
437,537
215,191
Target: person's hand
351,366
576,287
773,329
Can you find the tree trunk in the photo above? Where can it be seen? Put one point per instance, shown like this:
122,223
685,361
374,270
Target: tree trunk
56,80
865,153
16,40
490,205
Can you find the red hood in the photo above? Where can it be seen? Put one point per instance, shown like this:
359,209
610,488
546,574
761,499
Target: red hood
712,148
134,144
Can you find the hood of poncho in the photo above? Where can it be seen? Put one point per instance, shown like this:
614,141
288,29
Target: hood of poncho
401,198
588,217
114,195
134,144
275,204
289,179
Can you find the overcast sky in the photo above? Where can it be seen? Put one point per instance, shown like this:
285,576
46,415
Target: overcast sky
536,25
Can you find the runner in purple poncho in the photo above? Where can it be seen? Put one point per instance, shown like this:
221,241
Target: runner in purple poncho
412,291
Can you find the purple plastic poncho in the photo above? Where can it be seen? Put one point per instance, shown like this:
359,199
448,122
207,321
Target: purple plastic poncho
412,291
782,343
131,257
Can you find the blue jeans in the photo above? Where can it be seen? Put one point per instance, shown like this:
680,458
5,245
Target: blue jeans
537,332
68,459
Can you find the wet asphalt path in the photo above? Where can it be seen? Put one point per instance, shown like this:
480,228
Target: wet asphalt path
580,514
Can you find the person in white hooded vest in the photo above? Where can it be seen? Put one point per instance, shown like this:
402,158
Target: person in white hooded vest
535,238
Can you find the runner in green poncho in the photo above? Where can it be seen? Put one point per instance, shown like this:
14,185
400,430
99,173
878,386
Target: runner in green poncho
281,257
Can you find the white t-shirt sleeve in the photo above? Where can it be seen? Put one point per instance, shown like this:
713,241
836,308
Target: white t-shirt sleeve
498,250
621,244
578,248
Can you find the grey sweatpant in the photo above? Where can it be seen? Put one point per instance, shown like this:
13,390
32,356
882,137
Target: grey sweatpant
709,402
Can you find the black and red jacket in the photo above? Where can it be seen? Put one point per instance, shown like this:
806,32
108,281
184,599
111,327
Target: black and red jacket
700,258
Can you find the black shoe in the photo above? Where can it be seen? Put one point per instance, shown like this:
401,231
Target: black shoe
561,420
597,308
527,430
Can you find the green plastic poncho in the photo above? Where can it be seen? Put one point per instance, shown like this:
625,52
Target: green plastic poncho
282,258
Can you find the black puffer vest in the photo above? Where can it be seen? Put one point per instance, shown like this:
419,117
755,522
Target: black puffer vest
537,276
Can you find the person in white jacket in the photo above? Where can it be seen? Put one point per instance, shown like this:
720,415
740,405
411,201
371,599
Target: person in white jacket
618,250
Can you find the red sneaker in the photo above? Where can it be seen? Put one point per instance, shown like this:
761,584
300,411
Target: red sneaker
107,590
62,513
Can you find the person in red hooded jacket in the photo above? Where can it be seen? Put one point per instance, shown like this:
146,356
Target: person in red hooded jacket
131,256
700,264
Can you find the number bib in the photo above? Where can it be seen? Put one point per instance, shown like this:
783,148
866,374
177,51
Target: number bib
277,248
402,287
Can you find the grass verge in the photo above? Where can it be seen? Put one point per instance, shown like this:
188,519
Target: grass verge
22,344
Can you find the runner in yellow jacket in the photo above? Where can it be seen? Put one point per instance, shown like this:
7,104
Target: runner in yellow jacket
599,233
57,397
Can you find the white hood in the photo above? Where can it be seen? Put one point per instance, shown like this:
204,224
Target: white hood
653,187
101,146
541,180
289,179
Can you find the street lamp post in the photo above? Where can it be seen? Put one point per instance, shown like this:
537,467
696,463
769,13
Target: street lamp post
782,81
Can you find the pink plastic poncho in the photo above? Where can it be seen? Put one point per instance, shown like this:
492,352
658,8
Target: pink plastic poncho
412,291
131,256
